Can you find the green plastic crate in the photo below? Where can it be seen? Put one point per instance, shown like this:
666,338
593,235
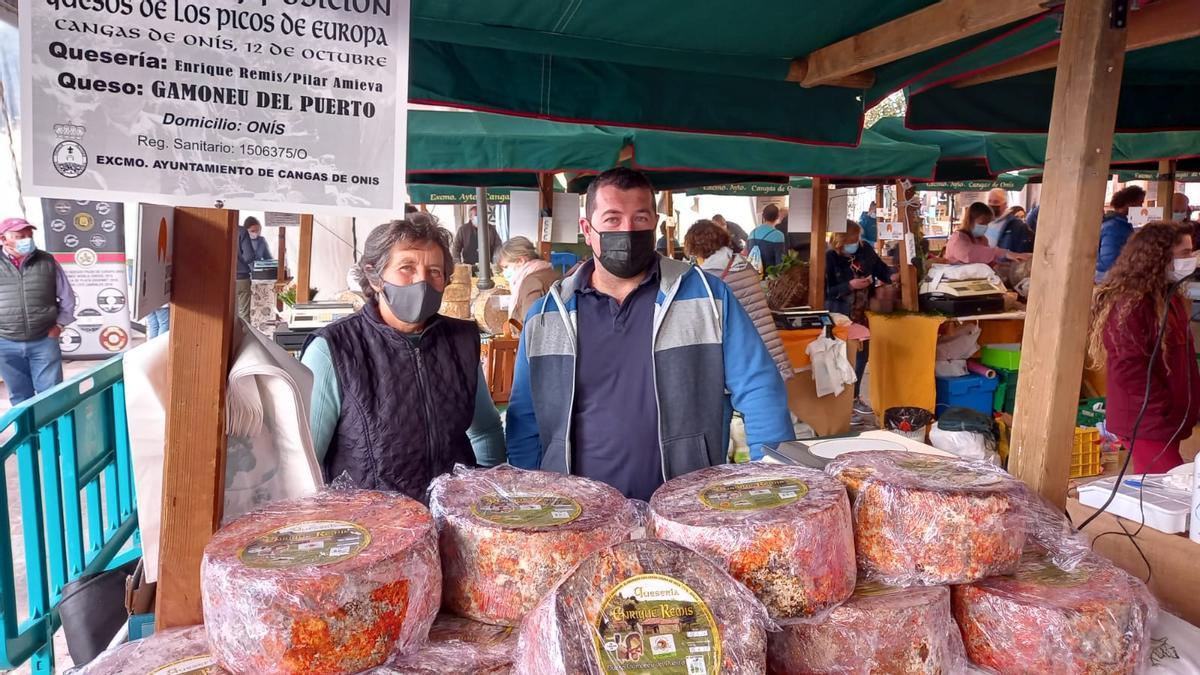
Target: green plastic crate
1006,356
1091,412
1005,398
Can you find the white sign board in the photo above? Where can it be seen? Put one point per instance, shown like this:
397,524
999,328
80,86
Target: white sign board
566,218
800,210
892,230
152,266
1144,215
523,220
277,219
279,105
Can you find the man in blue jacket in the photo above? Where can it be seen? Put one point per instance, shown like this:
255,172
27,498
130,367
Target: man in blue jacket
1116,229
628,370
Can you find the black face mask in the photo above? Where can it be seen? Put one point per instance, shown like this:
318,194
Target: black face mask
627,254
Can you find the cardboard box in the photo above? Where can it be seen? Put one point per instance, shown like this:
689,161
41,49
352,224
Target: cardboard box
828,415
1172,558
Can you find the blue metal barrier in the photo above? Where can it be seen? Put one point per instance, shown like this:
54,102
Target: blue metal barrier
71,444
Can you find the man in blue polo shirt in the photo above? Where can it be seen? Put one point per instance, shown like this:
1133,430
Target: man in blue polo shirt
621,372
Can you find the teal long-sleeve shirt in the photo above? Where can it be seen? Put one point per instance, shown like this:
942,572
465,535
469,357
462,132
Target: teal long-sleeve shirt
486,432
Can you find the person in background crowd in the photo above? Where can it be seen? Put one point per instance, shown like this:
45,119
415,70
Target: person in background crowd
1032,220
661,245
36,303
851,271
251,248
737,235
465,248
1018,212
1127,314
1006,230
869,226
626,369
767,238
529,277
398,390
1181,208
969,243
158,322
1116,229
711,246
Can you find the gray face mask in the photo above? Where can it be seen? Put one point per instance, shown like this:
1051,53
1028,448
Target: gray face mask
414,303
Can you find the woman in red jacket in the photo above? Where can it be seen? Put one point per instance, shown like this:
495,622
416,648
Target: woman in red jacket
1127,312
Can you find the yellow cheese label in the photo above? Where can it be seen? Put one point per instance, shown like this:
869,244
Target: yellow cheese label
1046,573
193,665
652,624
524,510
309,543
752,494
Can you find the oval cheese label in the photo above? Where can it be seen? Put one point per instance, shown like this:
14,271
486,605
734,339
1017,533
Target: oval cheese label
1049,574
871,589
652,624
752,494
523,510
193,665
948,474
312,542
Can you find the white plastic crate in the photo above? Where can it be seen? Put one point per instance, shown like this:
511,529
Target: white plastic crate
1166,508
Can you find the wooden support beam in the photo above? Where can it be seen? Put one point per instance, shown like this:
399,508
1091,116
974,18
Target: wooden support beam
1166,186
201,338
910,284
304,266
1154,24
281,256
1084,115
669,207
798,70
816,252
938,24
545,210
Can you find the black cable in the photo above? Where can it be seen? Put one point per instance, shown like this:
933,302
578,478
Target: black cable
1137,423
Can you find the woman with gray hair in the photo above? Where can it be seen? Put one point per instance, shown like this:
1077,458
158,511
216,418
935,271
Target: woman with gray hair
529,277
398,392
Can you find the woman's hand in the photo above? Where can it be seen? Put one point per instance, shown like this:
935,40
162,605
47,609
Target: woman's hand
859,284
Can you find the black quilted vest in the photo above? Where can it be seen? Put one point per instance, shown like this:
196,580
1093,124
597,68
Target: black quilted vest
28,297
405,407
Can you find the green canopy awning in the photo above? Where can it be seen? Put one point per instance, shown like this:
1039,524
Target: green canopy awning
706,66
1126,175
450,194
1007,182
750,189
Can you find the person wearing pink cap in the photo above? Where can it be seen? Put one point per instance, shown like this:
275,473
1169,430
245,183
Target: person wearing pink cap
36,302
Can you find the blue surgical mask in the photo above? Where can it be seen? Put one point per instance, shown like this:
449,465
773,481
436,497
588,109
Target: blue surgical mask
850,249
980,230
25,246
509,273
1179,216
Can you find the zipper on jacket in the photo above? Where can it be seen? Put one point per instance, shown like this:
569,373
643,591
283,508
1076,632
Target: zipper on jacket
429,418
24,302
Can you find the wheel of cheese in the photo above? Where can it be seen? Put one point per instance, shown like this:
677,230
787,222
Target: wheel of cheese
509,535
921,519
461,646
785,532
880,629
645,606
334,583
179,651
1092,620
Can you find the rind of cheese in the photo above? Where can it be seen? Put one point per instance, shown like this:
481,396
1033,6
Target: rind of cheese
785,532
509,535
458,646
559,636
920,519
1093,620
330,584
880,629
177,647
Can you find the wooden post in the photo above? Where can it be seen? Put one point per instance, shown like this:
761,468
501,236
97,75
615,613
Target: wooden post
1086,89
545,210
201,337
304,266
816,251
911,217
1166,186
669,207
281,256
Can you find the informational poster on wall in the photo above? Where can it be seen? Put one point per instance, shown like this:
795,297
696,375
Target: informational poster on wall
88,239
276,105
800,210
152,266
1140,216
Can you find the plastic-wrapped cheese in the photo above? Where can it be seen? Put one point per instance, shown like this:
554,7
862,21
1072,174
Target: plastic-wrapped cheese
509,535
921,519
880,629
645,606
179,651
458,646
1092,620
334,583
785,532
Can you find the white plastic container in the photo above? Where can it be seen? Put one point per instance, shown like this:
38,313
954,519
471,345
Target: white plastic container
1166,509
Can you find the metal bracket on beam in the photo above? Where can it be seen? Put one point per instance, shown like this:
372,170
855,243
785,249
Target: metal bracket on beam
1119,15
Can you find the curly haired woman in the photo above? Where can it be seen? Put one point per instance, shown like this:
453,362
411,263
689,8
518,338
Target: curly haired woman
1126,315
